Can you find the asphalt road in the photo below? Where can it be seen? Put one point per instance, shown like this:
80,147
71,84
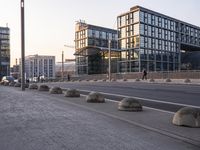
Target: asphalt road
148,92
34,120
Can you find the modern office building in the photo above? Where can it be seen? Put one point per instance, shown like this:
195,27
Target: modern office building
4,51
39,65
154,41
92,46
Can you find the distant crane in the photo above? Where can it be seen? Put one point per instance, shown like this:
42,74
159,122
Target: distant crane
69,46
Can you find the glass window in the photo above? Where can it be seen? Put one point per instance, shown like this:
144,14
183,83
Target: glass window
123,32
156,32
163,33
142,29
145,17
163,45
156,43
149,30
131,17
156,20
123,20
149,43
103,35
141,41
141,16
149,18
110,36
136,17
123,44
163,22
97,34
89,33
153,19
136,29
136,41
159,22
145,29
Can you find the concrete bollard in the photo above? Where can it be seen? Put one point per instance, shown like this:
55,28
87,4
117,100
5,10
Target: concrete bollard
168,80
137,79
113,80
129,104
6,83
72,93
33,86
187,80
187,116
17,84
124,79
11,83
43,87
151,80
55,90
95,97
103,80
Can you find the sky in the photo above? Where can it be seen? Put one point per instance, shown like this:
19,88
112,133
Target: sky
50,24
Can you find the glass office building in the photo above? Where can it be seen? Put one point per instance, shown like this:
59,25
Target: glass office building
154,41
4,51
91,49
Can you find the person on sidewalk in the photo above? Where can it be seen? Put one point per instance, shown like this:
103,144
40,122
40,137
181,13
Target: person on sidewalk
68,77
144,76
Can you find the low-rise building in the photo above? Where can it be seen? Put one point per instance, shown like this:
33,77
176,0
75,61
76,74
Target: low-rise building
39,66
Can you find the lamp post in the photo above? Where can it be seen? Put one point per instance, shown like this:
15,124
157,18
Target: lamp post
62,65
109,60
22,47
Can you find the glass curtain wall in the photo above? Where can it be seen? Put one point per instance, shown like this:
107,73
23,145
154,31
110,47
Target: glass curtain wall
148,41
129,42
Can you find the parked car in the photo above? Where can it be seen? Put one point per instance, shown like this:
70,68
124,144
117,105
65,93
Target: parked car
7,79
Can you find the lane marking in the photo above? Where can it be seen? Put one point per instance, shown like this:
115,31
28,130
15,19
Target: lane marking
160,110
147,99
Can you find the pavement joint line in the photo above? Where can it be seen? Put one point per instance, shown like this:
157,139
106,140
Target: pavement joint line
146,99
162,132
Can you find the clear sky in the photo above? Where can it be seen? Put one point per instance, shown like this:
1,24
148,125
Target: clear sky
50,24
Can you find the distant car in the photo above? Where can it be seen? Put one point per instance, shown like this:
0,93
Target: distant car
7,79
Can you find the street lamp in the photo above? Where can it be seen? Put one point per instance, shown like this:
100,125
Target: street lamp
22,47
109,60
62,65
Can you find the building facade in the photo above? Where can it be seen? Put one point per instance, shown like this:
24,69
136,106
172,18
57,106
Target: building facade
4,51
153,41
39,65
91,49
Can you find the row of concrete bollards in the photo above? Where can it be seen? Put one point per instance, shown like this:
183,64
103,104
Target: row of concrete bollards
186,116
152,80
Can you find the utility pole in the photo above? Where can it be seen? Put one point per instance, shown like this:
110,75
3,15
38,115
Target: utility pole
62,65
22,47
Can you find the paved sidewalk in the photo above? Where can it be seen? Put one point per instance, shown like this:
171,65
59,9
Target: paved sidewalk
33,120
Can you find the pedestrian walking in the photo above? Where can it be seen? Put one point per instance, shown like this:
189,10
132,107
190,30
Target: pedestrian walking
68,77
144,76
